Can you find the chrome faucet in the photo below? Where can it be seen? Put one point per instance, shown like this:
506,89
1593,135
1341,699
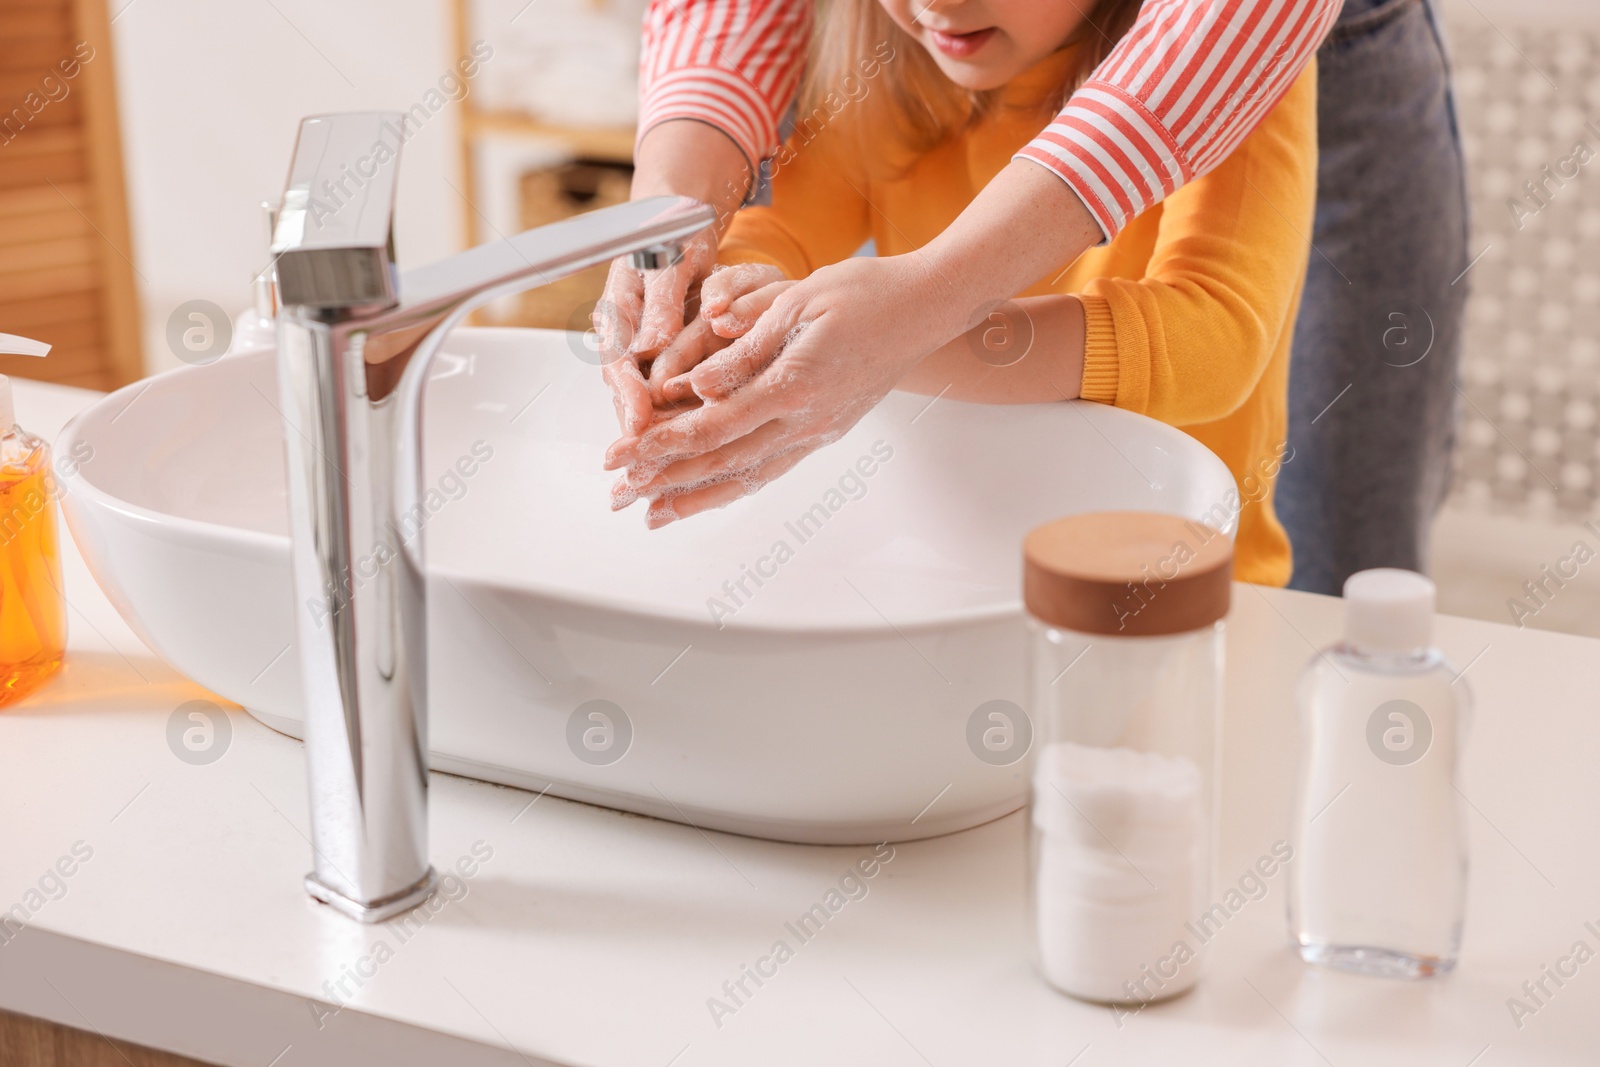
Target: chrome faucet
354,343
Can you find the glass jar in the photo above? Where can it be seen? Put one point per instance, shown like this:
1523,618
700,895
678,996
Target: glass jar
1126,647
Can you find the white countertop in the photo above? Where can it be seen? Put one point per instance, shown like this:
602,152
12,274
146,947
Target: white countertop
595,938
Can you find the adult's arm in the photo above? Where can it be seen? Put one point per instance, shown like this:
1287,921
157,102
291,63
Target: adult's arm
731,64
1182,88
1187,343
1187,82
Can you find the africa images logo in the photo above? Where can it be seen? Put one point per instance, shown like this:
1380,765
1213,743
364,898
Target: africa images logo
1399,732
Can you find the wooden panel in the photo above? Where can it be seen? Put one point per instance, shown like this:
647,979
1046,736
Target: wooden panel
29,1042
80,367
62,252
40,61
35,284
42,313
69,336
34,54
67,358
35,141
21,122
21,22
98,84
15,203
58,222
65,271
44,155
28,74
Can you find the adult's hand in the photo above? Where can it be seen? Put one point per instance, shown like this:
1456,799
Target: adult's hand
833,345
641,312
732,299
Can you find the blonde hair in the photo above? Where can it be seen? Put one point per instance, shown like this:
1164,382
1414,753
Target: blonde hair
921,107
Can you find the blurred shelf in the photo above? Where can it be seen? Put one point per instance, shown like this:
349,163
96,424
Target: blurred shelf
600,144
607,144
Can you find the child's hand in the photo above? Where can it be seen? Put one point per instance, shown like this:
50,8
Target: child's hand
640,313
726,286
731,300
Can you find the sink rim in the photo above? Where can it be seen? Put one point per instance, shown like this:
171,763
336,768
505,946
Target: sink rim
263,545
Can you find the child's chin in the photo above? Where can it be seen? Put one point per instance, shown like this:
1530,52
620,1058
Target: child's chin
975,77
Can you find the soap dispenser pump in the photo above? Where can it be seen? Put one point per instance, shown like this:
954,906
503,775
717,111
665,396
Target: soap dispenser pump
33,623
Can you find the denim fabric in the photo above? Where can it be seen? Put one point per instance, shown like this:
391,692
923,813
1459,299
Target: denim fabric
1379,333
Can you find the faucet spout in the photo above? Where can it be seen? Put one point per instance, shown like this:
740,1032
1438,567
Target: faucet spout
355,339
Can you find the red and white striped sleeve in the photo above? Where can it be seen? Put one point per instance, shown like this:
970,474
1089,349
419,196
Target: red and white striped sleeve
731,63
1188,82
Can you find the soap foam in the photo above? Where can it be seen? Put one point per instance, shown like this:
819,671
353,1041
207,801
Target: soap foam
661,508
645,469
750,481
623,495
733,370
731,324
793,335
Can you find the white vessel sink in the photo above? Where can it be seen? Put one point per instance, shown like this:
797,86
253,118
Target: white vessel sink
830,703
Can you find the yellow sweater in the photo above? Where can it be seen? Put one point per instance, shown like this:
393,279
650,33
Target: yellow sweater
1188,311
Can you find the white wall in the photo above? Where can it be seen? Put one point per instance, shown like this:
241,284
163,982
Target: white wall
212,92
1526,12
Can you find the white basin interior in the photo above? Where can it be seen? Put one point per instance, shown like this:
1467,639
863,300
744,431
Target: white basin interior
826,702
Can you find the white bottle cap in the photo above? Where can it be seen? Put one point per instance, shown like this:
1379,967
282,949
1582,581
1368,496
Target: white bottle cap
1388,610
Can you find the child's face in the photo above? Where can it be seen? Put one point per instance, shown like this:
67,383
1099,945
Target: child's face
982,44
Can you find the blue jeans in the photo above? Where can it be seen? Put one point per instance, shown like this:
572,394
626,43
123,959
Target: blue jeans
1372,379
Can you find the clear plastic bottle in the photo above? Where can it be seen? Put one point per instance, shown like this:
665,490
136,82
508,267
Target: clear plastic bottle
1378,883
1126,616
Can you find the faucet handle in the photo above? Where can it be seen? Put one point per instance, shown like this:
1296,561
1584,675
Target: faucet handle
334,237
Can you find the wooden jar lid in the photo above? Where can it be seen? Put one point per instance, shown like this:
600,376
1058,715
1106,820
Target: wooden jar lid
1127,573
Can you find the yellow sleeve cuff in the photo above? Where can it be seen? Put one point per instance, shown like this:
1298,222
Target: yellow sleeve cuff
1101,371
732,255
757,235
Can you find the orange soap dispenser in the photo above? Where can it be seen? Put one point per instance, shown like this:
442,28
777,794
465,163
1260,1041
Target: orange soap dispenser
33,621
